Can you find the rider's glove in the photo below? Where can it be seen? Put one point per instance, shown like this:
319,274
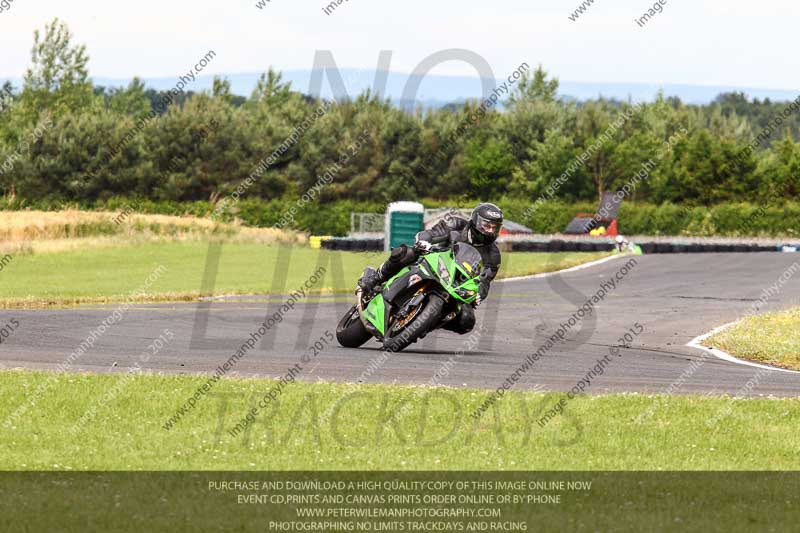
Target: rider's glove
423,246
483,292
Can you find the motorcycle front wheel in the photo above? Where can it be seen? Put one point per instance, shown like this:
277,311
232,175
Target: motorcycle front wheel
426,317
350,332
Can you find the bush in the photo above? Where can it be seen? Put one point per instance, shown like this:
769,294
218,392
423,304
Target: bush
333,218
729,219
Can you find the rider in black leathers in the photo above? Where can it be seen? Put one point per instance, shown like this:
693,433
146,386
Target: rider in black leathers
480,231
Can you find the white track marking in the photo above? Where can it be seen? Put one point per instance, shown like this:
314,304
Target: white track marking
571,269
725,356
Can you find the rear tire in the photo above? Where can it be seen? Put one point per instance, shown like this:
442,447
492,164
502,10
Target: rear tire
427,317
350,332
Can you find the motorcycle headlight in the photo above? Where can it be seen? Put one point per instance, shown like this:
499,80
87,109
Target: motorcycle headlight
465,293
443,273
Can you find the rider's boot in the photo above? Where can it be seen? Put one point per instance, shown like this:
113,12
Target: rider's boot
371,279
400,257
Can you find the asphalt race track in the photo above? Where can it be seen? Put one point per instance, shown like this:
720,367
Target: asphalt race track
673,297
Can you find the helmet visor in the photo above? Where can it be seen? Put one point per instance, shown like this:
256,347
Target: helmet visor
489,227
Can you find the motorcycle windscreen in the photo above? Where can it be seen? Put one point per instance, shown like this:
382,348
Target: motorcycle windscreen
468,258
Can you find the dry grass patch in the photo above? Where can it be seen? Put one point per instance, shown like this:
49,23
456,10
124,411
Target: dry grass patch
27,232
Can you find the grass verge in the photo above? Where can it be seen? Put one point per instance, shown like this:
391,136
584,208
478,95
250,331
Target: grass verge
771,338
324,426
104,275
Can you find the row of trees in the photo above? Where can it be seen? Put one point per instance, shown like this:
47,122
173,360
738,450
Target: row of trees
92,143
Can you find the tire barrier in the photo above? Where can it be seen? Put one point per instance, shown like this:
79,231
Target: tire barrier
353,245
695,248
530,246
705,248
560,245
647,247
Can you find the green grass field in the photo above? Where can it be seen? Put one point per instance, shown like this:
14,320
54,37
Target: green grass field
304,430
771,338
110,422
109,274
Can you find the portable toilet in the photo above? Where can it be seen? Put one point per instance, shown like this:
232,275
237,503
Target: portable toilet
403,221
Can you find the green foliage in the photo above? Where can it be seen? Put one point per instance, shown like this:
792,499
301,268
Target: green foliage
130,101
58,79
726,219
333,218
487,164
98,144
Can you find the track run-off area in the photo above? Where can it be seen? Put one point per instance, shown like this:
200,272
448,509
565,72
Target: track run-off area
661,302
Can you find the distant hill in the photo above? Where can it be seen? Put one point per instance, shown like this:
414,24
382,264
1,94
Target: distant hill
438,90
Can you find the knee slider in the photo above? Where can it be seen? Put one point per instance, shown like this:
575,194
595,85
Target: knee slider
467,318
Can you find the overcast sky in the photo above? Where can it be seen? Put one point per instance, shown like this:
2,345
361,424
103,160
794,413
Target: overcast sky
732,42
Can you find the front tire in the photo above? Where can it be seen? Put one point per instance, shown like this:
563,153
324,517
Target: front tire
350,332
427,317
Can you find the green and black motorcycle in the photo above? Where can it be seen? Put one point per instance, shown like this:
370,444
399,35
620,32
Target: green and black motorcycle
419,299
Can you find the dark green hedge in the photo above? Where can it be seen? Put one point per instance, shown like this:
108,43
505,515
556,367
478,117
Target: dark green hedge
739,219
734,219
